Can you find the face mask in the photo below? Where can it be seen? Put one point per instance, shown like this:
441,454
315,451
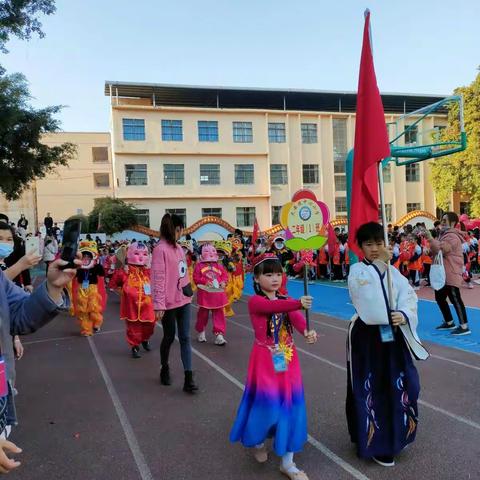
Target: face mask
5,249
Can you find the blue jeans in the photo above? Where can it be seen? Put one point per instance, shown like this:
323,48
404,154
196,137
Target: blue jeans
182,316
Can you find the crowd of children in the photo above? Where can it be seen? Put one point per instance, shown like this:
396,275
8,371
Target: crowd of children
273,404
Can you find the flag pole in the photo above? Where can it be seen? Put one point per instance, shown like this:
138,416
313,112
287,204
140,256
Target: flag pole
305,289
385,232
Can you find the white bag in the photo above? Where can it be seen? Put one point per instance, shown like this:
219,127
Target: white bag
437,272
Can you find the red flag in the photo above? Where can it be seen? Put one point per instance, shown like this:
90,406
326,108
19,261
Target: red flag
256,230
371,143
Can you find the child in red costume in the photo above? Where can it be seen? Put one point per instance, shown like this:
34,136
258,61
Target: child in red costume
136,306
211,278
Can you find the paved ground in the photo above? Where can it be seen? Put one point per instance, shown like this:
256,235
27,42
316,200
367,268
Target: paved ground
89,411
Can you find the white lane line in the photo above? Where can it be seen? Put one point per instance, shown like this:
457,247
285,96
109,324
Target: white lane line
314,442
438,357
464,420
138,456
71,337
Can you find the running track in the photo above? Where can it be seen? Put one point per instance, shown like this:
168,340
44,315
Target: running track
90,412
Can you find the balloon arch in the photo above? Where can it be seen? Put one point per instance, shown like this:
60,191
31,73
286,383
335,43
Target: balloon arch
214,228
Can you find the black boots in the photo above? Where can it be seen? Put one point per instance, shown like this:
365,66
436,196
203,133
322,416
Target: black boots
146,346
136,352
189,386
165,375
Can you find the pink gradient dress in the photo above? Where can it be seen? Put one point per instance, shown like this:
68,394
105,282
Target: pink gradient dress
273,403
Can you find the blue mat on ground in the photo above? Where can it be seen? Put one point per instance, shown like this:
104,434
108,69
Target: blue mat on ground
333,300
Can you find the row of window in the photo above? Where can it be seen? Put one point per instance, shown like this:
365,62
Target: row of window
174,174
245,216
172,131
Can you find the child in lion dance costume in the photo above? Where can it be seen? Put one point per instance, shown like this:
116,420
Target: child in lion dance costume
88,290
136,306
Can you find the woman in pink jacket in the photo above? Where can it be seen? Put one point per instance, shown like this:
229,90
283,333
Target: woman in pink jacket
450,243
172,294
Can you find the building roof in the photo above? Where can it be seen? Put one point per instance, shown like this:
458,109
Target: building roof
262,98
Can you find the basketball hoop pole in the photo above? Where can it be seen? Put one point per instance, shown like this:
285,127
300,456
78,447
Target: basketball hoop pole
385,231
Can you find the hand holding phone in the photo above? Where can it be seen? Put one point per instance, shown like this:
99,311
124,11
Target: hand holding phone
71,237
32,245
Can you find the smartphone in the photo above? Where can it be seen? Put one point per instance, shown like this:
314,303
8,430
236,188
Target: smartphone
32,244
71,237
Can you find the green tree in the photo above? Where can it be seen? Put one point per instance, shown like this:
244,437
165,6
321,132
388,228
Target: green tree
111,215
461,172
19,18
23,156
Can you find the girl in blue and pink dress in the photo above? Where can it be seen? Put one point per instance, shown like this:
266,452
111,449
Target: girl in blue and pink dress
273,403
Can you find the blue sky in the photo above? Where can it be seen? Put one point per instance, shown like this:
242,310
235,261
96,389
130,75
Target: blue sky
422,46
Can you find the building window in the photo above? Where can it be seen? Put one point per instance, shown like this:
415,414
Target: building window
412,172
180,212
136,174
143,216
242,132
340,183
411,134
278,174
438,132
209,174
207,131
388,212
276,133
100,154
341,205
244,174
276,214
212,212
172,130
340,147
464,208
310,174
245,216
173,174
101,180
309,133
387,173
133,129
411,207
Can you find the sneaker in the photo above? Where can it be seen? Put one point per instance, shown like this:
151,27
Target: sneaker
146,345
469,285
384,461
201,337
136,352
461,331
446,326
96,329
219,340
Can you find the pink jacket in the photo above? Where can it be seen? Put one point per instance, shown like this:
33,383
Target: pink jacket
450,242
169,273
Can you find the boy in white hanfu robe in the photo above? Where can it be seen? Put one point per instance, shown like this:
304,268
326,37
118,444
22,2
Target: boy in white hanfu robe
383,383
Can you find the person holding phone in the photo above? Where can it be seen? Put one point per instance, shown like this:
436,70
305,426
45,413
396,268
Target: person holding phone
24,313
